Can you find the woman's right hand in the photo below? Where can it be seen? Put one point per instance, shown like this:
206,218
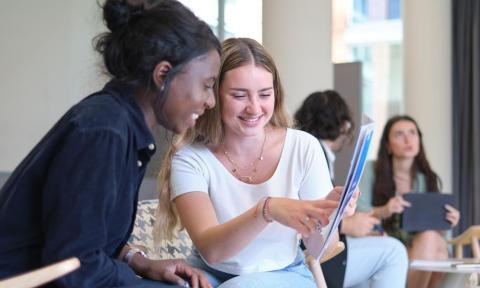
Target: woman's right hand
360,224
395,205
175,271
305,216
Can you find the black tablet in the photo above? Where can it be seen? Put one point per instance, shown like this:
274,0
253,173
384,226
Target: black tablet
427,212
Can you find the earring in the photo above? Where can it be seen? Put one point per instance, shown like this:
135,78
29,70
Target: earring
162,88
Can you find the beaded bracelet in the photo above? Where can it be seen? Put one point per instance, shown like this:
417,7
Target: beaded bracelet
132,251
265,213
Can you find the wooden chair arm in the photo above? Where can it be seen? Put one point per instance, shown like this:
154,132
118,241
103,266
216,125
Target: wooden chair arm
334,252
314,265
42,275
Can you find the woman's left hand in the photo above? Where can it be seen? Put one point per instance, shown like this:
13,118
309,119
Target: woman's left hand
453,215
336,194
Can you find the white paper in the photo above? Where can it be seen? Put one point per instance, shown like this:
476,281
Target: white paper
434,263
316,244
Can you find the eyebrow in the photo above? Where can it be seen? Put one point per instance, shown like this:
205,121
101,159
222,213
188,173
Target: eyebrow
405,131
266,89
246,90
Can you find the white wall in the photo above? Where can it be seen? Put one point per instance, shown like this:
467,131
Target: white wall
47,64
427,76
298,35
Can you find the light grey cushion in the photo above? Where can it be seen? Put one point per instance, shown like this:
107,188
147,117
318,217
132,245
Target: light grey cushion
3,177
148,189
179,247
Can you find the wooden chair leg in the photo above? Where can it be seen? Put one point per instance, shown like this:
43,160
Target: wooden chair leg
316,270
475,248
459,251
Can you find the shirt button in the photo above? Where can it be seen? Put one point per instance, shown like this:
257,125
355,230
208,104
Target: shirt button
151,146
139,163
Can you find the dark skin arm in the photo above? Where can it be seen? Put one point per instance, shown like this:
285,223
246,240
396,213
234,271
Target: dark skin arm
175,271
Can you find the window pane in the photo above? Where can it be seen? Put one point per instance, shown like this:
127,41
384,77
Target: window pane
394,9
370,32
243,18
207,10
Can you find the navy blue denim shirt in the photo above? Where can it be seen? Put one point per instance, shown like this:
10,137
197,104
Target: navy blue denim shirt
75,193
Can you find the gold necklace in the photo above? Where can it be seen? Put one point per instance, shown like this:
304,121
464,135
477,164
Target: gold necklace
254,164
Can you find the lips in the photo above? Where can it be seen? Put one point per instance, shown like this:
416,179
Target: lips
250,119
195,115
193,118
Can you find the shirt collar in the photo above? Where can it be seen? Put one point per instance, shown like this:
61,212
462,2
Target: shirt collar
330,155
125,93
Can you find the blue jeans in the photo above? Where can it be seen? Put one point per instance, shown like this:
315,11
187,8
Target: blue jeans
376,262
294,275
147,283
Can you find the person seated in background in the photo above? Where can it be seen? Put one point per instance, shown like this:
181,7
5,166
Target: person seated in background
242,203
371,260
402,167
75,194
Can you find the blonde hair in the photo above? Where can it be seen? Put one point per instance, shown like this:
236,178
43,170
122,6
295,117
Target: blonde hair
209,129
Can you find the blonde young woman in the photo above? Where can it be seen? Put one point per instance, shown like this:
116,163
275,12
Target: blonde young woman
402,167
243,184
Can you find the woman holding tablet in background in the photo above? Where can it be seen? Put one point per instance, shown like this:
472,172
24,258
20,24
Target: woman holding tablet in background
402,167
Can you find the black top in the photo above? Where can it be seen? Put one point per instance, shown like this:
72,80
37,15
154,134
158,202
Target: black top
75,193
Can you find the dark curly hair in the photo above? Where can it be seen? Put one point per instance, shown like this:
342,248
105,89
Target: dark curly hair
144,33
323,114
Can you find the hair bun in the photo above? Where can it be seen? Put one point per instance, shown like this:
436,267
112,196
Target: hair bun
117,13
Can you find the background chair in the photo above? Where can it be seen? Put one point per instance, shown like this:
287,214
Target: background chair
42,275
470,237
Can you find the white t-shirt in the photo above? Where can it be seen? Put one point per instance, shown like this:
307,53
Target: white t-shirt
302,173
330,158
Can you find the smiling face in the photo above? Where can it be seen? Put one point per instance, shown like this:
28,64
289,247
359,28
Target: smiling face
404,140
190,93
248,100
